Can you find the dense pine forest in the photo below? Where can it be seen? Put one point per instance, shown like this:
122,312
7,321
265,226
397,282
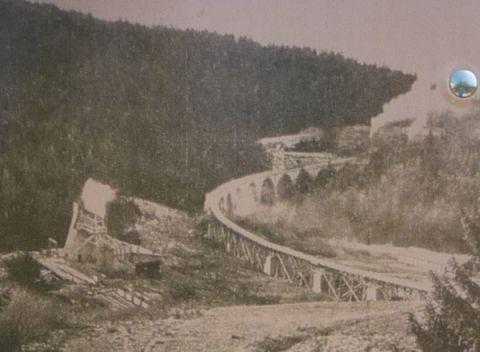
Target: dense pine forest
160,113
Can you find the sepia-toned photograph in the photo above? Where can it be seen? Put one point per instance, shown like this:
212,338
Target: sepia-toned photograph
239,176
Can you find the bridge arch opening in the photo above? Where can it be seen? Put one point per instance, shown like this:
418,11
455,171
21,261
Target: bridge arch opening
267,194
285,187
304,182
324,176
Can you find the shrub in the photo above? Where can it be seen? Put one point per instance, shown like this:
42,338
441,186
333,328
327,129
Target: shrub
259,227
10,337
244,293
25,270
182,287
29,318
452,317
282,343
452,320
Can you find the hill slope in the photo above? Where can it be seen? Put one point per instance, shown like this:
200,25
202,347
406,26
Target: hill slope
160,113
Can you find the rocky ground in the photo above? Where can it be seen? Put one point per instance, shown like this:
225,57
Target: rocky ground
383,333
298,327
206,300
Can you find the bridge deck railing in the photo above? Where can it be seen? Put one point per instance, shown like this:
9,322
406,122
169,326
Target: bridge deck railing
212,205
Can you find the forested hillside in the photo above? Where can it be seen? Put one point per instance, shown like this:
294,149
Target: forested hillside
161,113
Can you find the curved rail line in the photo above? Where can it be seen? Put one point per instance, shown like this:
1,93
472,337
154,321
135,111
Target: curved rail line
323,276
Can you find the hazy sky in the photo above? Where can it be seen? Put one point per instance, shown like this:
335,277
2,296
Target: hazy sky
429,37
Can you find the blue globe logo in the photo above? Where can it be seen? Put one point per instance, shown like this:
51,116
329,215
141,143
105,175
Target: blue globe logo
463,83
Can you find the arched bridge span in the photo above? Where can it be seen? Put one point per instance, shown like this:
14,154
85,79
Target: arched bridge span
241,196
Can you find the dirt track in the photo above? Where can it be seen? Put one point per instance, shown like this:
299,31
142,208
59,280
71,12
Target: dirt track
236,328
232,328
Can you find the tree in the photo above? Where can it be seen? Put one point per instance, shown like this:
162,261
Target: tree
24,269
122,214
452,317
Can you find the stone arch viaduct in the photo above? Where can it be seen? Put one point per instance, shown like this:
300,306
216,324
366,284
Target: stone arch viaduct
241,196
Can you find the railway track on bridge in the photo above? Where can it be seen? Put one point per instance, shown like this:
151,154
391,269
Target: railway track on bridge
341,282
